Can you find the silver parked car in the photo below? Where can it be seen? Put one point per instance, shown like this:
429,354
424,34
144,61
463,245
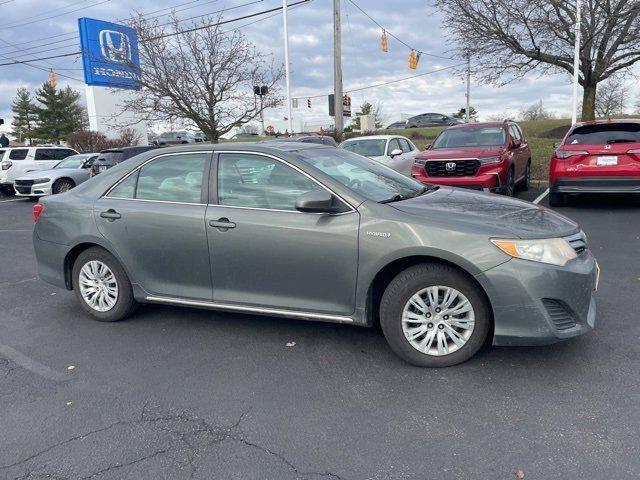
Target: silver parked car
319,233
394,151
64,176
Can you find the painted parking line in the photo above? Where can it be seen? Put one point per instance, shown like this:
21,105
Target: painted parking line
541,196
13,200
32,365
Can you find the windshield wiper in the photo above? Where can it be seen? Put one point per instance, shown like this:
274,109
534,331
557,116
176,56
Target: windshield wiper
395,198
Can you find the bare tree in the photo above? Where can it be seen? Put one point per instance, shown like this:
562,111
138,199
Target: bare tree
201,75
535,111
611,98
510,38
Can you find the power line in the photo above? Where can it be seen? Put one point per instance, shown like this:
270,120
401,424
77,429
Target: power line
223,22
399,39
398,80
54,16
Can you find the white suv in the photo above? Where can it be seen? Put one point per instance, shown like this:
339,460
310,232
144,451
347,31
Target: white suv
17,161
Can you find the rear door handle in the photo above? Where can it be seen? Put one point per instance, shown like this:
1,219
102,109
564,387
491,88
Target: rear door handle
222,223
110,214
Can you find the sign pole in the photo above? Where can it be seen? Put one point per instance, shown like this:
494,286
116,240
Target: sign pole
337,68
576,65
286,66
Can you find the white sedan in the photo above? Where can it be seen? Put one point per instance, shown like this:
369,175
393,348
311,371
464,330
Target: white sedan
394,151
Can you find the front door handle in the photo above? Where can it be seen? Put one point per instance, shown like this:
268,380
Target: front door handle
222,223
110,215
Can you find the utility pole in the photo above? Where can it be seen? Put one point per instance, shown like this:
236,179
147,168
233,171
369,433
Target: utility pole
468,108
576,64
286,66
337,68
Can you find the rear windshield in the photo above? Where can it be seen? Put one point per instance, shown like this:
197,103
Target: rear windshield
470,137
604,133
111,157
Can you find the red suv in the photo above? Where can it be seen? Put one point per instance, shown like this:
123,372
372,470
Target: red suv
599,156
489,156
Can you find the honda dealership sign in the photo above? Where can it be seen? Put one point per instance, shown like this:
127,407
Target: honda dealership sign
109,54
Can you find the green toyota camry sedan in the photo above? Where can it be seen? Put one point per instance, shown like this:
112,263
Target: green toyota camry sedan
319,233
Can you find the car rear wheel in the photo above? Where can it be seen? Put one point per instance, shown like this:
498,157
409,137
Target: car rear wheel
432,315
557,199
102,286
62,185
510,186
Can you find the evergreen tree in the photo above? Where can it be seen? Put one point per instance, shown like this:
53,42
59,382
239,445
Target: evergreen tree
59,113
462,113
24,115
366,109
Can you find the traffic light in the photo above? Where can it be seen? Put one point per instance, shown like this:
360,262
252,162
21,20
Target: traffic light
413,59
53,80
384,42
309,102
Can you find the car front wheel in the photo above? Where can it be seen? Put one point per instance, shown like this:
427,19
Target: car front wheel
432,315
102,286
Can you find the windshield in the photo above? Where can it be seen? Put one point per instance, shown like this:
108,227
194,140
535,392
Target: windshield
111,157
470,137
363,175
369,148
74,161
600,134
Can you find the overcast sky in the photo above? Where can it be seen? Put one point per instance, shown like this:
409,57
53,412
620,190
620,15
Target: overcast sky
310,37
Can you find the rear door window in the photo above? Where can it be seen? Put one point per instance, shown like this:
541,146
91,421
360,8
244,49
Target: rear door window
18,153
173,178
49,154
605,133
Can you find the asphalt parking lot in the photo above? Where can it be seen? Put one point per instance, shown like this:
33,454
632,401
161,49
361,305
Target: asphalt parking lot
182,393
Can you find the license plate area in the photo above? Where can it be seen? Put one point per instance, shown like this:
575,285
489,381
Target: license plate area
607,160
102,168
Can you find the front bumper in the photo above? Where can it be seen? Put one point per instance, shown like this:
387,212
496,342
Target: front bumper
538,304
37,190
485,181
617,184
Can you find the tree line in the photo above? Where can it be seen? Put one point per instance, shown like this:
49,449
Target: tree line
50,116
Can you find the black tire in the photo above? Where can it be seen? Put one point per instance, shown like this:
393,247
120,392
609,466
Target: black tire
34,198
414,279
510,187
525,183
557,199
125,304
62,185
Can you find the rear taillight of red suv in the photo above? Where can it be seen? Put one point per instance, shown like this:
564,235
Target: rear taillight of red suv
37,211
564,154
6,165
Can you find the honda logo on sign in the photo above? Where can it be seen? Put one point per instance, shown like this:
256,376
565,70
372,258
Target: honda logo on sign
115,46
450,166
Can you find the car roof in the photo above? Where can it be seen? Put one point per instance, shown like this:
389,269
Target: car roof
265,146
481,124
376,137
606,121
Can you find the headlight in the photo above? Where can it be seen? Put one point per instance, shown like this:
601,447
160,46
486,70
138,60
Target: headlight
487,160
41,180
554,251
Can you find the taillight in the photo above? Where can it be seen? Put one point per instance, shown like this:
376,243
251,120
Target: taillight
6,165
37,210
564,154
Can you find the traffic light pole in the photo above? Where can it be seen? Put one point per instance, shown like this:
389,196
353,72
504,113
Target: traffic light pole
468,108
337,68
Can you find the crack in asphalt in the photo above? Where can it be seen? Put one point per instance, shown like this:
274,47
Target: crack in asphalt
195,435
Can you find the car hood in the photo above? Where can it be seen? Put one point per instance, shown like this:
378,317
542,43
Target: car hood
51,172
461,152
497,214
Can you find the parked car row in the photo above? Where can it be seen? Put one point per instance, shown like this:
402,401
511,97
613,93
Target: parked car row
425,120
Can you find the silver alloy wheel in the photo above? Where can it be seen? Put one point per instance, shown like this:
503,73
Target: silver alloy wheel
98,286
438,320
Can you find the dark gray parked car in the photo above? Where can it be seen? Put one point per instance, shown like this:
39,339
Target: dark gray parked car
432,120
319,233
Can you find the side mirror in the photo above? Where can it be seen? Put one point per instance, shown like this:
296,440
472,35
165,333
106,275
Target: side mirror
318,201
427,146
516,143
395,153
557,144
